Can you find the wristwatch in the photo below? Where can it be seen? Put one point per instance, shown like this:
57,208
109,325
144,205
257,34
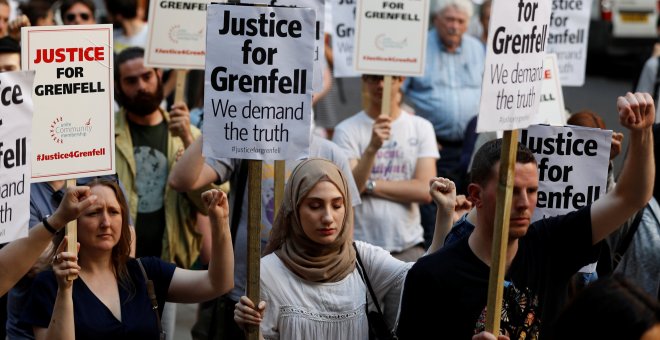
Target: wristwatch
371,185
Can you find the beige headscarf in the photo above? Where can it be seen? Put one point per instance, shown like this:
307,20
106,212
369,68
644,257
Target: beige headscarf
306,258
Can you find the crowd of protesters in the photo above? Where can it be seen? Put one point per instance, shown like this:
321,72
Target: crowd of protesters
383,229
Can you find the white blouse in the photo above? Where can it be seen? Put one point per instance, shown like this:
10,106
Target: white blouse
299,309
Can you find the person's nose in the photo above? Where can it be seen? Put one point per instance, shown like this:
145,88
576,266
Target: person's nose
521,200
105,219
326,219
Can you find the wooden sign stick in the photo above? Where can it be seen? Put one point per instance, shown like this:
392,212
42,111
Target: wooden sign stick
254,239
385,104
180,89
71,232
501,231
280,169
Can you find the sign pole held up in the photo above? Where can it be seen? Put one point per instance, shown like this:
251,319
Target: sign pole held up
280,170
501,231
385,106
254,238
71,232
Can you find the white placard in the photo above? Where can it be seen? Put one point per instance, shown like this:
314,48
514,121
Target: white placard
390,37
511,87
551,109
343,38
258,82
572,165
177,34
15,149
319,41
73,126
568,35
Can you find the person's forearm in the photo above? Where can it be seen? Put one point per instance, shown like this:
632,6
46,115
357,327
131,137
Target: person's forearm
633,190
188,168
443,223
61,325
17,257
362,169
412,190
221,266
636,180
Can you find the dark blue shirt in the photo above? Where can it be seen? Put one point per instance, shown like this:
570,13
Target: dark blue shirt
93,320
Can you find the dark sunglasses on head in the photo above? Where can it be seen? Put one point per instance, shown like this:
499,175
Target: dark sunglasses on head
376,78
72,16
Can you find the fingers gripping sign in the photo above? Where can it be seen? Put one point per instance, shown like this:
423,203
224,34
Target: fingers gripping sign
245,312
381,131
65,265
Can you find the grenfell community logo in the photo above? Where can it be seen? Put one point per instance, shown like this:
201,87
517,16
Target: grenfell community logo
61,130
177,33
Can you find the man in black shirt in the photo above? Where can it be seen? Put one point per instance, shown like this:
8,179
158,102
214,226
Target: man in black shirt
445,293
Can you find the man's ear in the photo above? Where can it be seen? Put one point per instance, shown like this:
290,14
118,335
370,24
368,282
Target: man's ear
474,194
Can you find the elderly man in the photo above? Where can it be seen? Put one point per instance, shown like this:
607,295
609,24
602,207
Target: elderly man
448,93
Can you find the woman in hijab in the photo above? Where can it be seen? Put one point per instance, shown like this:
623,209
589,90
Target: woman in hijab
309,275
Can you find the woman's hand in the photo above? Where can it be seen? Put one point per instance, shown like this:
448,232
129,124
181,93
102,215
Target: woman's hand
65,265
74,202
217,204
245,314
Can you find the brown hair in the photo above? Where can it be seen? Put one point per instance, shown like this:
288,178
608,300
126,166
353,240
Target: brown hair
121,251
586,118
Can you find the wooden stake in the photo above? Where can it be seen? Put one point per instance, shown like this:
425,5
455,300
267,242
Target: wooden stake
501,231
71,231
385,104
254,239
180,89
280,170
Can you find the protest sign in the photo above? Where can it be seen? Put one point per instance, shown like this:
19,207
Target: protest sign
177,34
15,148
572,165
513,73
390,37
343,38
73,126
551,109
258,82
568,35
319,42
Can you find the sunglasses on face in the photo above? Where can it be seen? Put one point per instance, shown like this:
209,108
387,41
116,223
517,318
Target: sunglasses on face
72,16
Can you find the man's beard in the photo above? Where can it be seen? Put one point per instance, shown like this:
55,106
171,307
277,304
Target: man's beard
144,103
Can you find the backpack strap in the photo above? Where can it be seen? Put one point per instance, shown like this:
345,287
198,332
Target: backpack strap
151,292
627,238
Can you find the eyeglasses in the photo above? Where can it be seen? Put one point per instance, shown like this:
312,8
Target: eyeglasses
72,16
371,78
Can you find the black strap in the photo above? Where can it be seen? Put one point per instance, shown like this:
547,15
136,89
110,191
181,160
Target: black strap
152,297
627,238
239,191
363,273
